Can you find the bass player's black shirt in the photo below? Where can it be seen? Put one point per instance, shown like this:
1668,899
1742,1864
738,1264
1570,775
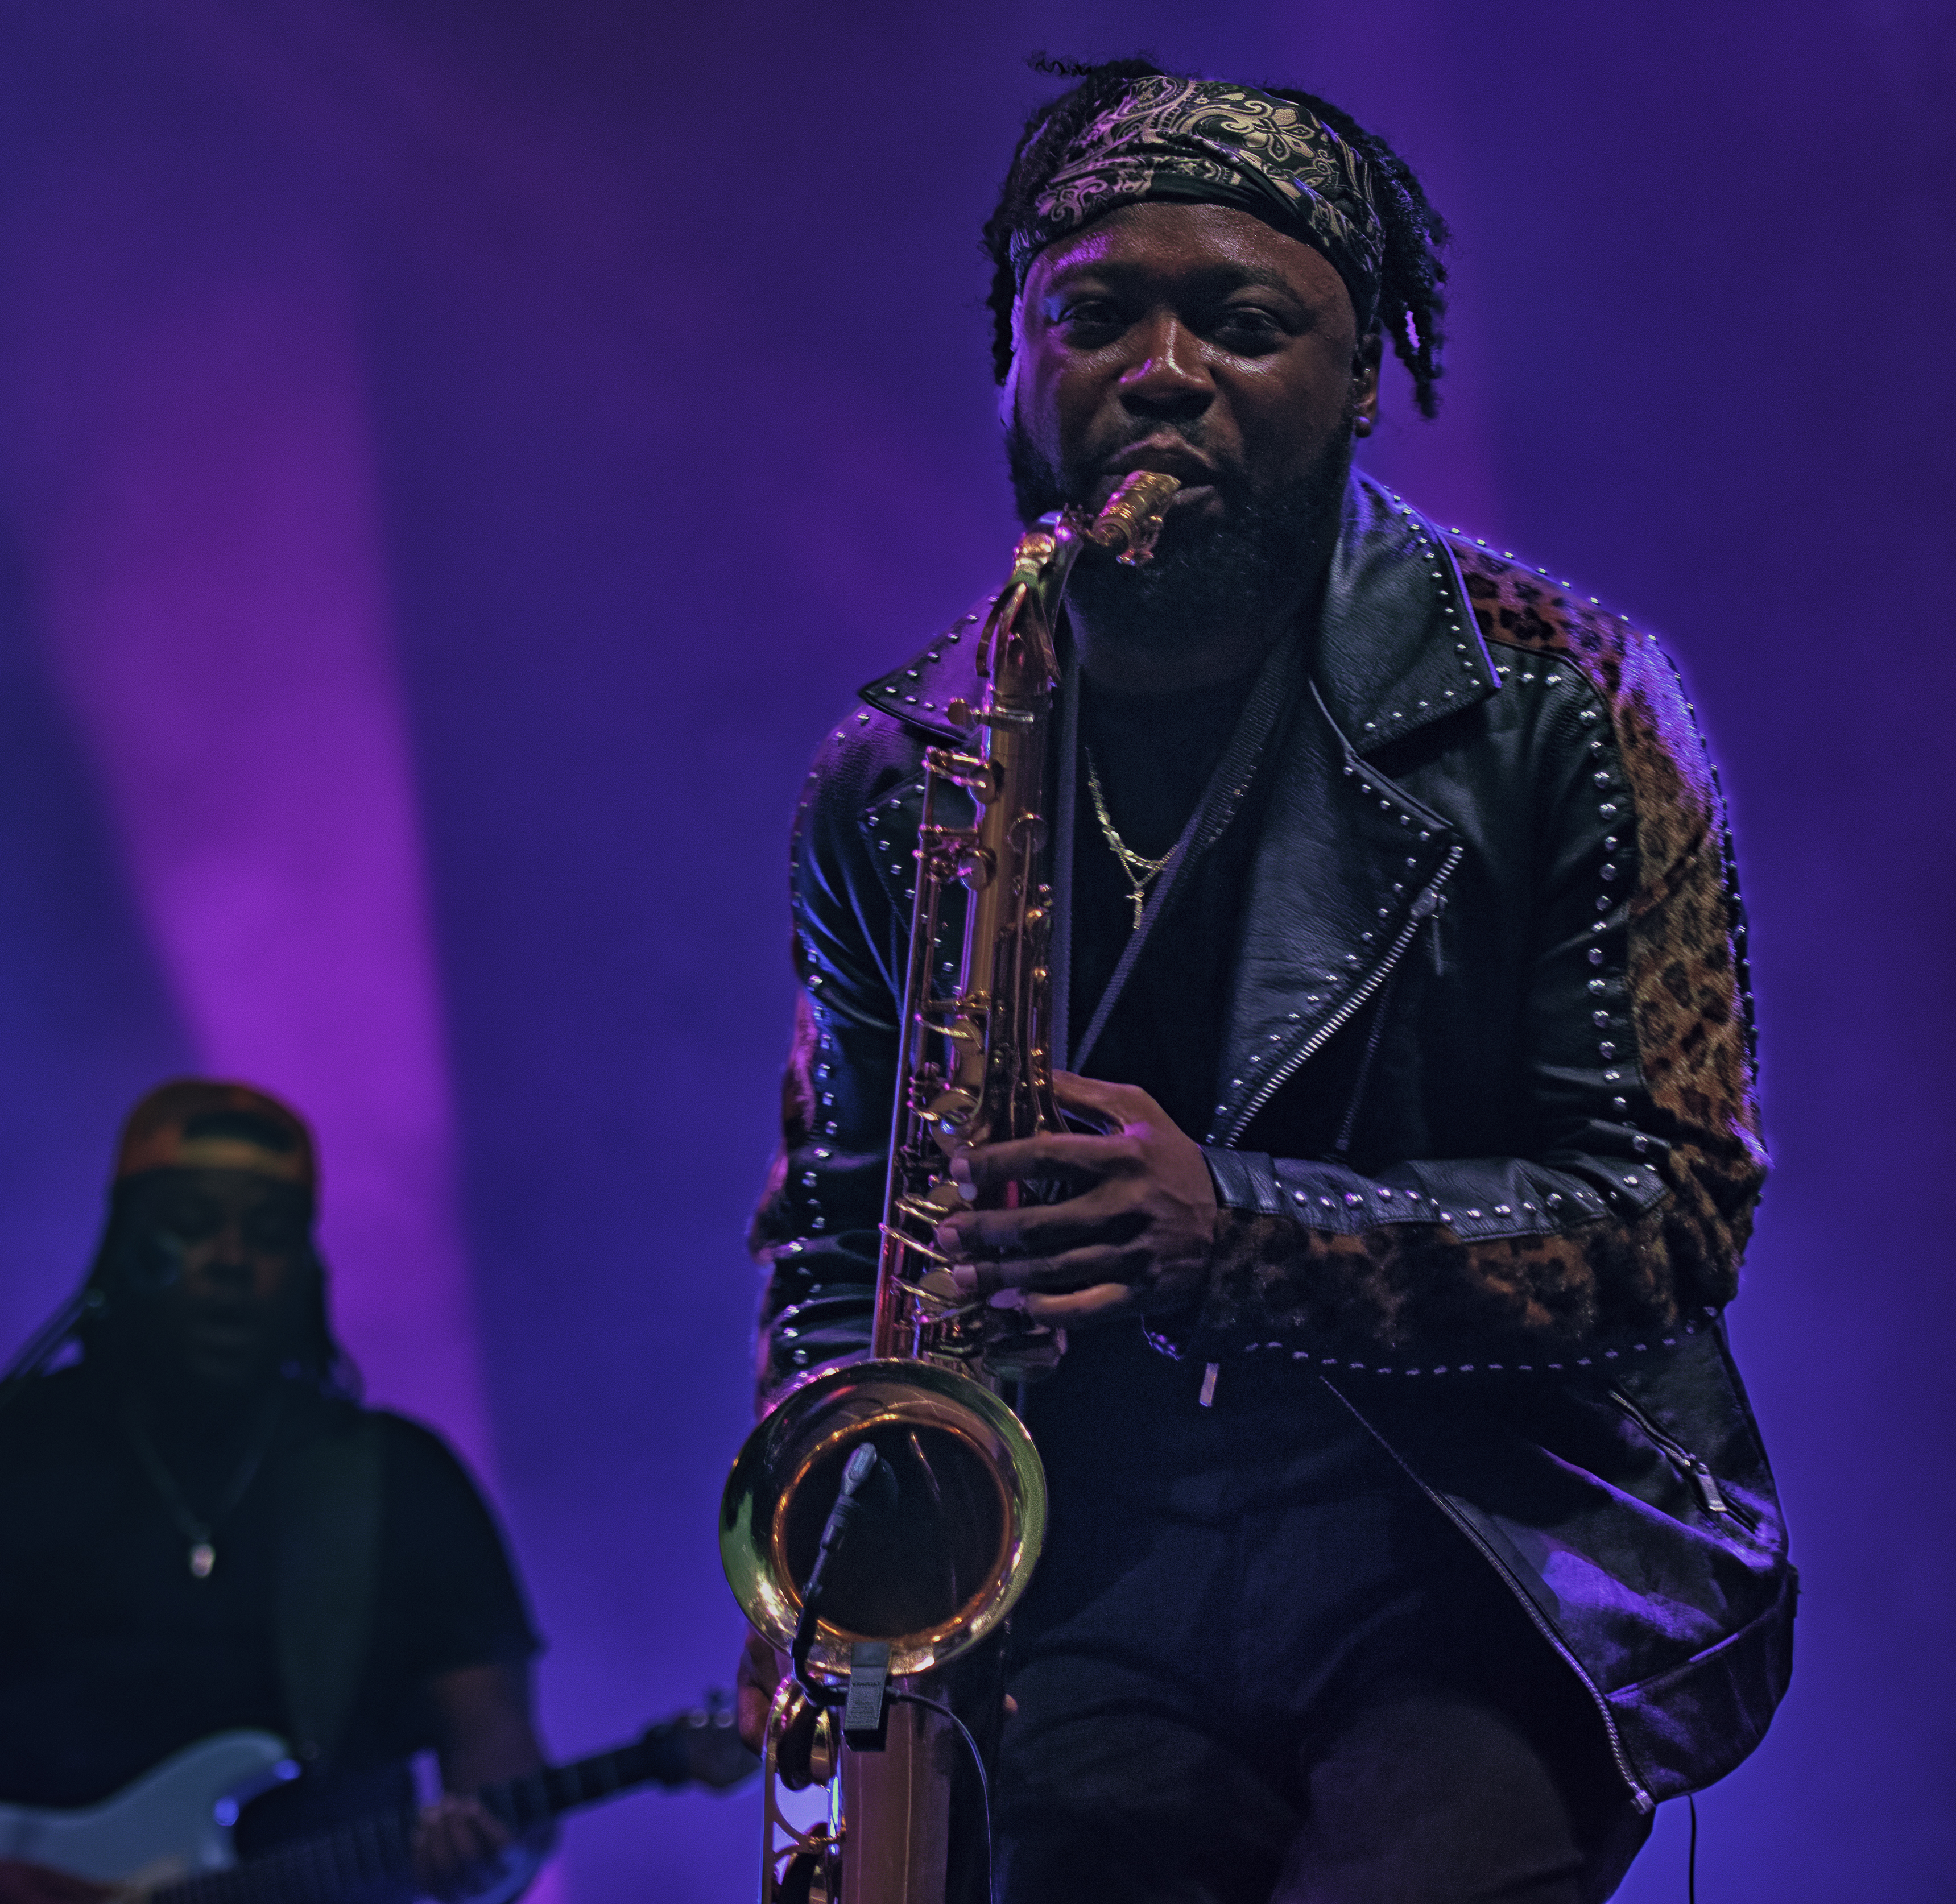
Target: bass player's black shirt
114,1655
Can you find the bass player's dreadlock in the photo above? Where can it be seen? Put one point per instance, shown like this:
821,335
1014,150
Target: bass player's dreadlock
1412,297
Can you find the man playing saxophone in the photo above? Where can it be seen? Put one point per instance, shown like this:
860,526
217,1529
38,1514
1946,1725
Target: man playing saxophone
1410,1537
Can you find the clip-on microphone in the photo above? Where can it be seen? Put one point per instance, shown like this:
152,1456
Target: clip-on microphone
868,1659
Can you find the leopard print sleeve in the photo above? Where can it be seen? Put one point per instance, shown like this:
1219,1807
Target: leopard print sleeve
1625,1228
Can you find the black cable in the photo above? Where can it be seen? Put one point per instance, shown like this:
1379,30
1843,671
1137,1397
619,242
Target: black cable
977,1760
1691,1859
862,1463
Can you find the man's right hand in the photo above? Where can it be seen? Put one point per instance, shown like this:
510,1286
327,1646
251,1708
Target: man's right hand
761,1672
38,1884
457,1845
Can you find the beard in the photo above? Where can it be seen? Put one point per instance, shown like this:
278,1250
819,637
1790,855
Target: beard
1245,564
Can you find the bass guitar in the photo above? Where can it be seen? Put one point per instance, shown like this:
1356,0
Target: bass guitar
168,1835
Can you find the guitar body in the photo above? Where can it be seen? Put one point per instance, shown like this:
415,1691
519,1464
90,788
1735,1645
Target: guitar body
173,1822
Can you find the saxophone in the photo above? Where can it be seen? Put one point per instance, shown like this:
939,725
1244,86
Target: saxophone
935,1566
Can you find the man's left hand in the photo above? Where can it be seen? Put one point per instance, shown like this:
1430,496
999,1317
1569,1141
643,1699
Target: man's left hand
1135,1237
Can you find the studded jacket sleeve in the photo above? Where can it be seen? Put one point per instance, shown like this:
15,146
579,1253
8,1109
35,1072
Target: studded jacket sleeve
814,1234
1624,1227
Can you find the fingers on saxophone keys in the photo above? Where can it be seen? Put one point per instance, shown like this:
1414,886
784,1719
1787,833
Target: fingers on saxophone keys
994,1278
986,1260
980,1236
1062,1270
1061,1157
960,1249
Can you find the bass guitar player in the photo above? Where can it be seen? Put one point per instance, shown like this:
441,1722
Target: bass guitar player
203,1534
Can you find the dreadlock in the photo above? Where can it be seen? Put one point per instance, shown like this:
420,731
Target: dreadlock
1412,299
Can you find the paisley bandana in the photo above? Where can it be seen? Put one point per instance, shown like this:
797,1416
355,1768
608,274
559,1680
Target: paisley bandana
1202,141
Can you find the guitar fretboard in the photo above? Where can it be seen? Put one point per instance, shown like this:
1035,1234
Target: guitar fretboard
318,1869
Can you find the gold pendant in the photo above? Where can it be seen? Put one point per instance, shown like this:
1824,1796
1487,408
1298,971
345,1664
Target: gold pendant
1140,899
203,1558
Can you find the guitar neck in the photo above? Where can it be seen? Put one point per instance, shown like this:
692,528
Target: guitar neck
552,1790
317,1870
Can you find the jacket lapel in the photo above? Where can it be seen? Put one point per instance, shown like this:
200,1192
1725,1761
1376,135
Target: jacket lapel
919,693
1346,867
1348,864
1398,646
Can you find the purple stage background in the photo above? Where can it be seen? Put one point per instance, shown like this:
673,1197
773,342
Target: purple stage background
454,458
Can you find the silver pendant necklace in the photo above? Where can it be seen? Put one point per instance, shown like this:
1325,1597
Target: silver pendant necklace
202,1557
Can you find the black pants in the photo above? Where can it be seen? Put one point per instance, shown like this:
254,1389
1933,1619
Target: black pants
1315,1693
1425,1795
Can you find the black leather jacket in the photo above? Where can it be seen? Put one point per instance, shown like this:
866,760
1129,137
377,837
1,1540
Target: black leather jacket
1484,1131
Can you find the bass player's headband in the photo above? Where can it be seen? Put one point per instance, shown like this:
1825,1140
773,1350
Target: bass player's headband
201,1124
1200,141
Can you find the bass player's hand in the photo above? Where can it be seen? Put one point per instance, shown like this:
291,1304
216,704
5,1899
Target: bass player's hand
716,1755
1135,1238
756,1681
457,1843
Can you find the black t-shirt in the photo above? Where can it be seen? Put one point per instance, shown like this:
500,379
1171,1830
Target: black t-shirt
112,1654
1154,754
1129,1448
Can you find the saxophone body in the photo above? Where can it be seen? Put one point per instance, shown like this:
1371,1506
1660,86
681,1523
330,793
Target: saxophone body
934,1570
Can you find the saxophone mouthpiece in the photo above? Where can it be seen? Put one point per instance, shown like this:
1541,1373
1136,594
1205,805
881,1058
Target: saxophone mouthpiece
1131,521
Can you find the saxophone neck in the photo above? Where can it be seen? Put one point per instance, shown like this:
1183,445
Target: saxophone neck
1016,650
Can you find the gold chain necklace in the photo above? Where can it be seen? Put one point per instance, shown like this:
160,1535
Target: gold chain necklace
1140,871
203,1556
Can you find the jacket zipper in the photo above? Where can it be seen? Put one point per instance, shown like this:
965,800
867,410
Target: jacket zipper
1690,1467
1641,1799
1424,905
